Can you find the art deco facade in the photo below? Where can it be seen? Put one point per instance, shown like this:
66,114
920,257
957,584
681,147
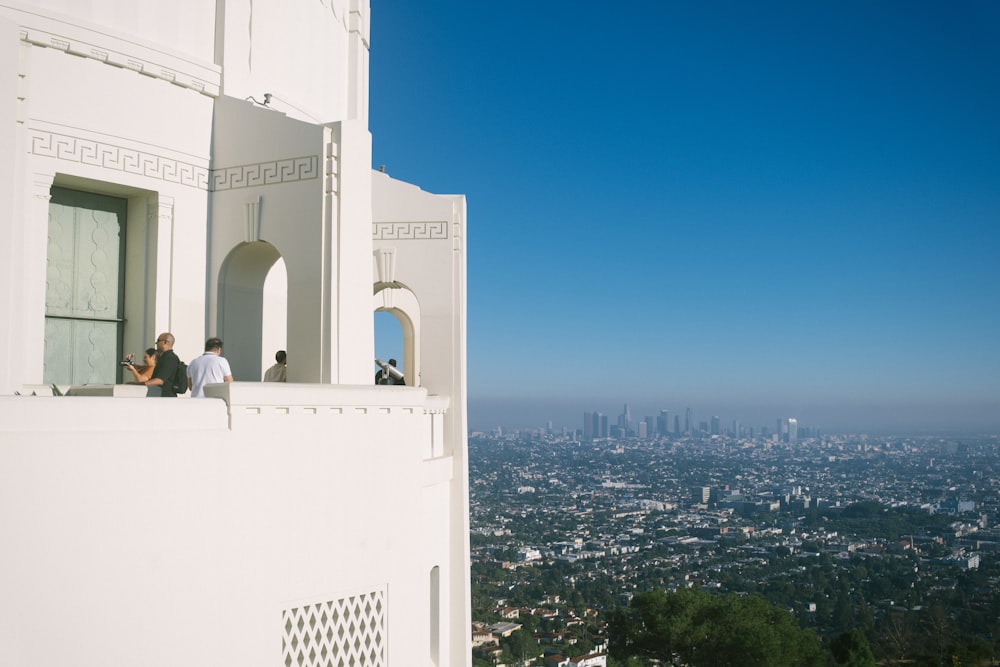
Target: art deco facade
150,185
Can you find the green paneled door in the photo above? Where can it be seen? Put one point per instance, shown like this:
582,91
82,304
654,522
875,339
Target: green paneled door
84,295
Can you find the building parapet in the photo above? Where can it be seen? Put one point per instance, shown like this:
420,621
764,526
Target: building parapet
243,405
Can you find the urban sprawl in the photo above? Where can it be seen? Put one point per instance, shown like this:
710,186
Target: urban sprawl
884,534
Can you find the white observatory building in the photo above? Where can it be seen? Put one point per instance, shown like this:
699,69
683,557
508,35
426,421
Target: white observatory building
203,167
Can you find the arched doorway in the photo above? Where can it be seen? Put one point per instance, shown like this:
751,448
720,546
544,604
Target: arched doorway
275,329
252,307
389,338
397,318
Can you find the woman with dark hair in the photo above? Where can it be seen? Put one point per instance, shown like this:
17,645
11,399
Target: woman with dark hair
142,373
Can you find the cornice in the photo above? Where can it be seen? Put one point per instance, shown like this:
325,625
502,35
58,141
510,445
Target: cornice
97,44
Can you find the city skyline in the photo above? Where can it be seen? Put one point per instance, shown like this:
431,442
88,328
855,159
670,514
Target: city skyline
900,420
759,210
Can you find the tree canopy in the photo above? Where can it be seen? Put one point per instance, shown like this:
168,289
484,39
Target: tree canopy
696,628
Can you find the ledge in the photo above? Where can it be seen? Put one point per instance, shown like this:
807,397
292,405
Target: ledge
120,390
78,37
309,394
121,407
108,414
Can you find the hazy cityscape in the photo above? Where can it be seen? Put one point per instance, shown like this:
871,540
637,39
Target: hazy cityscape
893,536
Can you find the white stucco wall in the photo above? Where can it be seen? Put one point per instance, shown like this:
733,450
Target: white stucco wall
311,188
114,131
311,56
12,185
170,532
426,236
183,27
183,532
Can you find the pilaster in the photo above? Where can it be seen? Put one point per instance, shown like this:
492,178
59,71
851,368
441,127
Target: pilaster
352,278
160,272
33,273
13,68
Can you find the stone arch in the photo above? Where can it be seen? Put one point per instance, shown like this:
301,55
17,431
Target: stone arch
241,306
401,303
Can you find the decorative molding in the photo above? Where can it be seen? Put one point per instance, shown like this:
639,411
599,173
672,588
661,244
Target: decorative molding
160,210
356,26
266,173
332,167
42,185
116,158
144,163
385,264
411,231
338,8
208,85
348,631
251,220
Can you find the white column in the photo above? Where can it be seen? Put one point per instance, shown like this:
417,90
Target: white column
334,335
353,320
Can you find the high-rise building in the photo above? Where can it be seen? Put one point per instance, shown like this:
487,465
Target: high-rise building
625,420
716,428
787,430
588,425
677,425
600,425
154,187
663,423
687,420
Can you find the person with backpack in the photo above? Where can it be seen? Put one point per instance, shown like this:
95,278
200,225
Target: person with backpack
210,368
164,380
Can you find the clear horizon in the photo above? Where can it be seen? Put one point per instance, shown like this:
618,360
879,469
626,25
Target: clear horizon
776,208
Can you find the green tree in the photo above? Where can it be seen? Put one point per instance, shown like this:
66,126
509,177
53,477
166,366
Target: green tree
851,650
520,645
703,630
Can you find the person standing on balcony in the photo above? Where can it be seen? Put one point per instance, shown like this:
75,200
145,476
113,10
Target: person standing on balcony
144,372
279,371
210,368
166,367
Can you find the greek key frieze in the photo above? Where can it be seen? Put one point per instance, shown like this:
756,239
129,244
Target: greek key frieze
266,173
389,231
117,158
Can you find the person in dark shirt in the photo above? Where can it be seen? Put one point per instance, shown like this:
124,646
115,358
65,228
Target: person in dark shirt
385,376
166,367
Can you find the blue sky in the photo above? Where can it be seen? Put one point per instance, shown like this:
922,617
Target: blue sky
755,209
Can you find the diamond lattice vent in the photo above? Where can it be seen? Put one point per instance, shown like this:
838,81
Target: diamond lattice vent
349,632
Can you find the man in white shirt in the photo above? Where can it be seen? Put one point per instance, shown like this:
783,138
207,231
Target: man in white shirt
210,368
